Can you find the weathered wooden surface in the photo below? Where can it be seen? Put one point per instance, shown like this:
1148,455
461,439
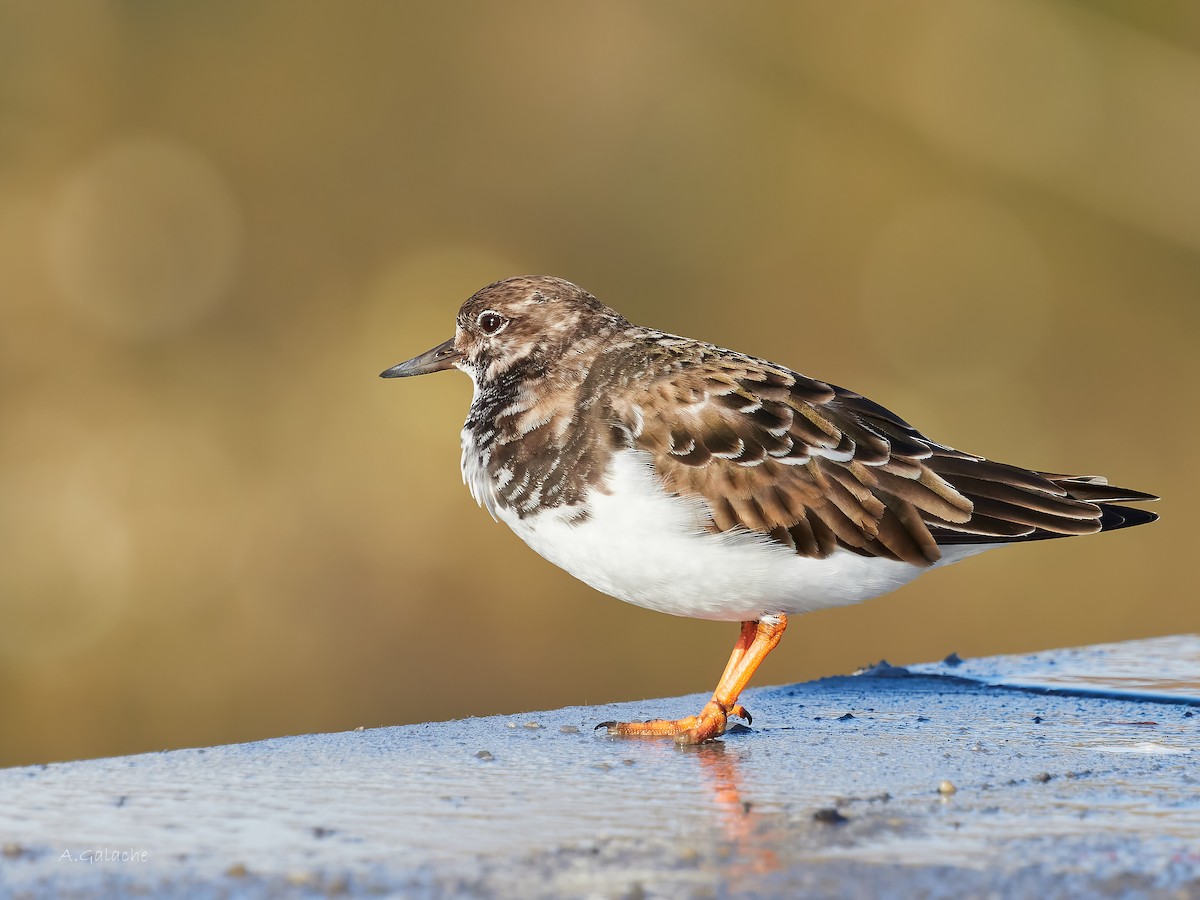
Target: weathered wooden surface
1053,794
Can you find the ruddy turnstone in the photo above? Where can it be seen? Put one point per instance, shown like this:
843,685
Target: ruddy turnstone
694,480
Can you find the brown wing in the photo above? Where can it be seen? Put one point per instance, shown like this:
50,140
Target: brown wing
819,468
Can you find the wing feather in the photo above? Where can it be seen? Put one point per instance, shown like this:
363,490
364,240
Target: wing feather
818,468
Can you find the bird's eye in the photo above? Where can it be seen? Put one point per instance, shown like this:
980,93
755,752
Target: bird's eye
491,322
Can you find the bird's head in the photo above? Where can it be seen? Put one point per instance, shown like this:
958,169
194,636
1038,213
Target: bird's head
519,324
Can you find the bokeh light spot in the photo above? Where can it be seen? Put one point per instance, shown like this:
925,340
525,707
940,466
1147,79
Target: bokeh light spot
64,563
1008,84
144,237
956,289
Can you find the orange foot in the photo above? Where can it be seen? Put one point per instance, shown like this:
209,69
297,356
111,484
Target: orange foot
692,730
755,641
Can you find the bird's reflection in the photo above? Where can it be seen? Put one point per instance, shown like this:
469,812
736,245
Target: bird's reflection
744,827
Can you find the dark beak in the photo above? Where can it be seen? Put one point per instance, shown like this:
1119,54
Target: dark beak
443,356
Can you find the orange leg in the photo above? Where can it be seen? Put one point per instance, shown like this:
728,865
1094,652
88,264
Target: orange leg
755,641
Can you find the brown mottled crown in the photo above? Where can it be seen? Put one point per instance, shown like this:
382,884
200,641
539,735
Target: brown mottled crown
543,317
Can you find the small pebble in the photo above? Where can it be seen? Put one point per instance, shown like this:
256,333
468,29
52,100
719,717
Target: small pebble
952,660
1042,777
237,870
11,849
883,669
847,717
1038,720
922,718
485,755
829,816
946,788
532,725
569,729
360,728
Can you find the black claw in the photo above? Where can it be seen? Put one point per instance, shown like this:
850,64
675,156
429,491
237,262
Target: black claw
604,725
744,714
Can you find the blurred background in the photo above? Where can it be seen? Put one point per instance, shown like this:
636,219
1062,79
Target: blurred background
219,222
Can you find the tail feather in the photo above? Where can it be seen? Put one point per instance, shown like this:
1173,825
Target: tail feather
1114,517
1096,489
1014,505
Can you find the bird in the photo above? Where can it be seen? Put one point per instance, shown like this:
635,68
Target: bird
694,480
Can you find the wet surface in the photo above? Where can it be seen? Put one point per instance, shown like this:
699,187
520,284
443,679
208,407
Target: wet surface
1115,670
935,784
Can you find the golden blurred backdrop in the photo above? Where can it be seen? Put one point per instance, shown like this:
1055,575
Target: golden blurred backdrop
219,221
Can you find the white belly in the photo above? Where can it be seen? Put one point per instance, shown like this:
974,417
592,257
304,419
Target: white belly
646,547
